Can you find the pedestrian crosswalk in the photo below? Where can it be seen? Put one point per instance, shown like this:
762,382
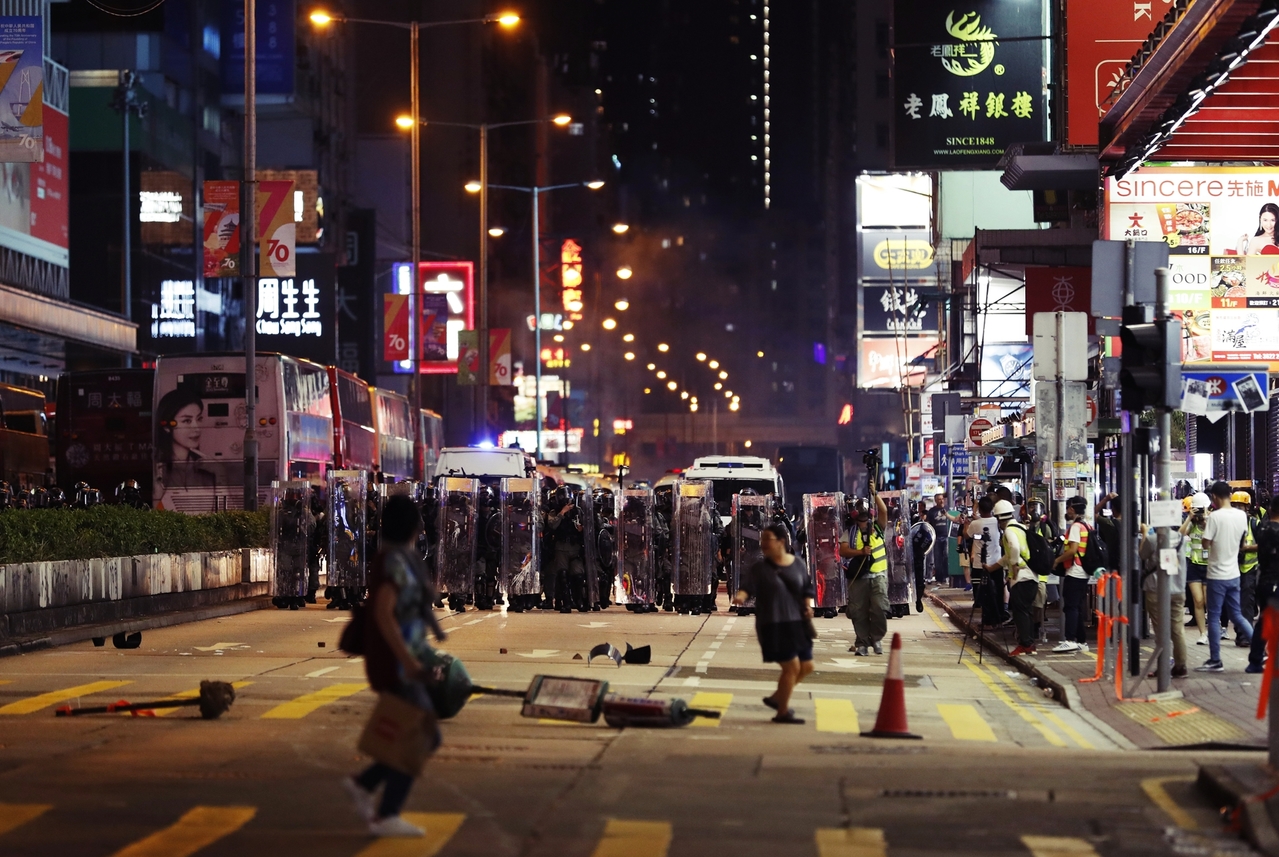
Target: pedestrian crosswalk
203,826
836,715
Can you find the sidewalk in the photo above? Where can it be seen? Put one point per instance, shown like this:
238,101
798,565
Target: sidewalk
1215,709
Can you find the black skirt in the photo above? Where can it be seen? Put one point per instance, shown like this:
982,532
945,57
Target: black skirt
784,641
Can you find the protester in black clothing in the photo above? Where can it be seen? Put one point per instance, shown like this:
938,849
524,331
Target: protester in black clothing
1267,536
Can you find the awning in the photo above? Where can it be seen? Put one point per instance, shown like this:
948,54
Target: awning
68,321
1203,89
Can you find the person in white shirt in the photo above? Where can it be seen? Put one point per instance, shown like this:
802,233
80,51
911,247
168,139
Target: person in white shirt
984,531
1223,534
1016,564
1074,634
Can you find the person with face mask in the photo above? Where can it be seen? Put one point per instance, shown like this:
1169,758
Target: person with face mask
868,578
1074,633
1025,585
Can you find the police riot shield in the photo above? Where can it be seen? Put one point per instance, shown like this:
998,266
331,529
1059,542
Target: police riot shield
824,526
635,583
291,525
521,539
458,527
694,560
347,490
919,548
374,501
606,503
901,576
590,554
751,514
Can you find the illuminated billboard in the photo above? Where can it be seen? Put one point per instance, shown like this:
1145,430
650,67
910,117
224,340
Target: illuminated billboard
1220,227
455,282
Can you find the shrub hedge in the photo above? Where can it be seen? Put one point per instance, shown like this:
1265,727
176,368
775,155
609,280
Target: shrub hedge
40,535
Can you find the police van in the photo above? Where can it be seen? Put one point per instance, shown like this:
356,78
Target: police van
732,474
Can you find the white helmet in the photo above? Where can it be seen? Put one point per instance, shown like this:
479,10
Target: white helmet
1003,509
1199,501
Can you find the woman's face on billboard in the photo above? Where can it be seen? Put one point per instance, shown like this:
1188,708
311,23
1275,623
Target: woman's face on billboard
186,432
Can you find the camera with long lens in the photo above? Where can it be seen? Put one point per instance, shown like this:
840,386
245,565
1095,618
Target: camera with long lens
873,463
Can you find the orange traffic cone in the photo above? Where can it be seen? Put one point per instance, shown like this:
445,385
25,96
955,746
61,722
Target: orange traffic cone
891,721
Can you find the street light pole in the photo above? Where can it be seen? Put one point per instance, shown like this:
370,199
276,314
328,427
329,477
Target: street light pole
415,298
248,255
537,327
485,371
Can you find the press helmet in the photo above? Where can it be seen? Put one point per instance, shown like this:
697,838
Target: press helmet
1199,501
1241,497
1003,509
1185,504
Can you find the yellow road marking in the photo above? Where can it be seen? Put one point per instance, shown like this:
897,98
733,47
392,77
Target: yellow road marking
624,838
1154,789
308,702
439,827
198,829
1050,736
851,842
13,815
965,723
53,697
194,693
836,715
1058,846
1043,709
718,701
928,608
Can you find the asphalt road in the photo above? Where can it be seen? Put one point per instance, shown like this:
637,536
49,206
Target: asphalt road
1000,770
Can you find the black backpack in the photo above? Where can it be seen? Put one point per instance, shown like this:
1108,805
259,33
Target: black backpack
1096,554
1267,536
1041,553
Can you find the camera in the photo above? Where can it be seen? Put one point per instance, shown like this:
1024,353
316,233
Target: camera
872,461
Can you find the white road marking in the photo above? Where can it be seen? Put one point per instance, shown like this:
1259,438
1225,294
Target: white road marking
846,663
318,673
596,625
539,653
692,681
216,646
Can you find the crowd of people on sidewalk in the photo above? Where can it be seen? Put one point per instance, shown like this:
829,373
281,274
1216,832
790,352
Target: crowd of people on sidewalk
1226,571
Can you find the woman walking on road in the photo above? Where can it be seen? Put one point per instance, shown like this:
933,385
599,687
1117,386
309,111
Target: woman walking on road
395,648
783,595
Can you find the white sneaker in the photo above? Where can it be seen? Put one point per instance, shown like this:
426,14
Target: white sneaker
1083,647
1066,646
394,825
365,801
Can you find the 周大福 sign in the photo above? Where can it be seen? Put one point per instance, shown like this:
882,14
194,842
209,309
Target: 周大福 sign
969,80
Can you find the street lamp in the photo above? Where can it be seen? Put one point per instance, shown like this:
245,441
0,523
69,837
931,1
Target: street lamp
481,187
663,347
630,337
625,272
621,304
496,232
621,228
535,193
701,356
609,323
322,18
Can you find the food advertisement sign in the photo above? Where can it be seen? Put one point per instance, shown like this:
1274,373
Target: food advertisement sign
969,80
1220,227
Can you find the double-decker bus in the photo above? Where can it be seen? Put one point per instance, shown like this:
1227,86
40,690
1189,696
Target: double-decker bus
199,425
394,425
24,440
430,428
354,434
102,429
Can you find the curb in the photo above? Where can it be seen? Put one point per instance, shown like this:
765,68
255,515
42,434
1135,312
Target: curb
1064,690
1242,786
80,633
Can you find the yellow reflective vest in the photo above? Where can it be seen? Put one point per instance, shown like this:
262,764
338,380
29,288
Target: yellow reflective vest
878,549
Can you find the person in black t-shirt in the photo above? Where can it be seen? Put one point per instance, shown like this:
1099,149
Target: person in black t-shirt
940,518
1267,536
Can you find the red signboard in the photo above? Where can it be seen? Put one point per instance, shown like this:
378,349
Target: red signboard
976,428
1057,290
49,205
395,323
1101,37
221,228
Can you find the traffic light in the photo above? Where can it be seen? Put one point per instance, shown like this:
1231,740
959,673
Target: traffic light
1150,369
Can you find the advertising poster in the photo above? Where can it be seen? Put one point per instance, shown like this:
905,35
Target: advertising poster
1101,37
221,229
468,362
969,81
898,309
886,363
395,324
1220,227
1006,368
276,54
500,374
21,89
435,327
277,232
297,315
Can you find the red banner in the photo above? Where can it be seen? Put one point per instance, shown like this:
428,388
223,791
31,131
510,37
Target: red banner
500,373
1057,290
277,231
395,324
221,229
1101,36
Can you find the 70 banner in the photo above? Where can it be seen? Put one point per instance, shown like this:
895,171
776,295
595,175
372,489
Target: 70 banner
277,231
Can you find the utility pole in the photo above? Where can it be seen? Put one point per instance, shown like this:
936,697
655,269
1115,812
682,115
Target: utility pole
127,102
1163,633
415,228
483,416
248,255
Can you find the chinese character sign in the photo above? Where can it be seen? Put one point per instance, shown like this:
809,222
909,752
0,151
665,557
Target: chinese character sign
297,315
277,231
571,278
969,80
221,229
22,89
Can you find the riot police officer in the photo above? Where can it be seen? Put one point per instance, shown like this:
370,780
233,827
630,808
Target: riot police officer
568,563
664,509
489,550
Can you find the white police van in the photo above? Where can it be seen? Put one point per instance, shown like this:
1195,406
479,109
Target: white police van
732,474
